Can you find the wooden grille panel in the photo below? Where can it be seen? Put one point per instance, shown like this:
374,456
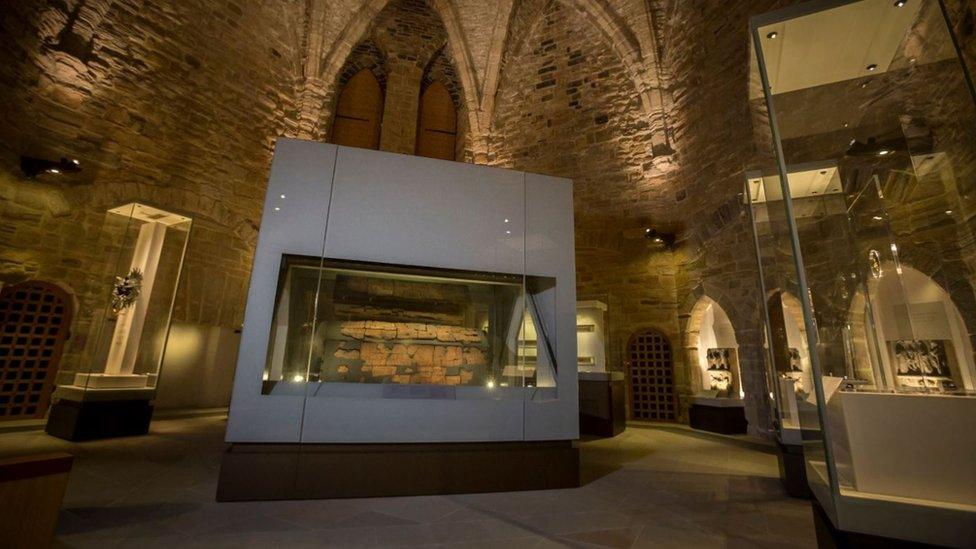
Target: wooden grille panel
651,377
34,321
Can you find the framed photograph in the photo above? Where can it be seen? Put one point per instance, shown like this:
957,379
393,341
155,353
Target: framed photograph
921,357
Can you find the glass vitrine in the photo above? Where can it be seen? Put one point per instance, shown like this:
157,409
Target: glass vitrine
864,223
366,323
119,347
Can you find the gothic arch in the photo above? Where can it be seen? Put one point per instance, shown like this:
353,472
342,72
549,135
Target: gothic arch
323,71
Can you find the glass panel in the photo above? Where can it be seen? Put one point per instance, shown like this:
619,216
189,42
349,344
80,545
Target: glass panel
405,325
875,119
144,248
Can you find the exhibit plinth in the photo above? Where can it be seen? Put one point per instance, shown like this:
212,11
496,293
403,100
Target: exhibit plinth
793,470
255,472
602,403
725,416
78,415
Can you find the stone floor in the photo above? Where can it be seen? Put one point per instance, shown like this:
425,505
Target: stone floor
648,487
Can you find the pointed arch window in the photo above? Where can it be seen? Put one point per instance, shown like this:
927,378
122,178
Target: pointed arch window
437,125
359,112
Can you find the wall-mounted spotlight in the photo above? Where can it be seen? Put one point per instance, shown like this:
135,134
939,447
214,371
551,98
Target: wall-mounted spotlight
665,239
772,35
900,3
32,167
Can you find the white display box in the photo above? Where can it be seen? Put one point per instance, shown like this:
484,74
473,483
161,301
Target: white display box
369,206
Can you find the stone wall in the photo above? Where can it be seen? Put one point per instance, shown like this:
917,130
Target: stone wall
644,103
173,103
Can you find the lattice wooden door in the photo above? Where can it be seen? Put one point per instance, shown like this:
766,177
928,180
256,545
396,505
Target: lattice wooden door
651,377
34,321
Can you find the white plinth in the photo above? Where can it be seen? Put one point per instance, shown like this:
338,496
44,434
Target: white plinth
112,381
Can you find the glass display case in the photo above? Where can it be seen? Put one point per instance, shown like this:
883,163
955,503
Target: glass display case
106,387
602,390
356,322
863,222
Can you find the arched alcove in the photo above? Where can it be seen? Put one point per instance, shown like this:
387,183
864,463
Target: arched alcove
437,123
909,334
712,346
359,112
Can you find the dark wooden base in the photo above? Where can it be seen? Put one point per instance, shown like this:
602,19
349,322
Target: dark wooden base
793,470
727,420
602,409
829,537
90,420
251,472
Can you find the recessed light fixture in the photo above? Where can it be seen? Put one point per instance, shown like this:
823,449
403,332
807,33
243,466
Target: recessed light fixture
884,152
32,167
948,212
647,231
871,67
283,197
277,209
508,232
772,35
877,218
900,3
658,239
506,220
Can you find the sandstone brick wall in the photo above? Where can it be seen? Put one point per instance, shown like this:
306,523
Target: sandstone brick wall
644,103
175,103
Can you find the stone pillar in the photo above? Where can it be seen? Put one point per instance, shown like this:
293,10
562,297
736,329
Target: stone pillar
399,132
128,327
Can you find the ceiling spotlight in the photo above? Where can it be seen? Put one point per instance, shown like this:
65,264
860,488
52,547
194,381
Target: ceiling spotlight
912,59
647,231
948,212
864,84
900,3
884,152
877,218
872,67
283,197
32,167
277,209
772,35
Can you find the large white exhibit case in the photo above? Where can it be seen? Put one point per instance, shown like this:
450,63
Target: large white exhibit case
405,315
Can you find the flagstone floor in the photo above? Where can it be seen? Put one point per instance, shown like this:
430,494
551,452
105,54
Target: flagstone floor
648,487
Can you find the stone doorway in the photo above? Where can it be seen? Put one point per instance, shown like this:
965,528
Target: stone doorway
35,318
651,374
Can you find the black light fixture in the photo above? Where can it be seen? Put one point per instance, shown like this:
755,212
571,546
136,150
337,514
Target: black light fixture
872,67
900,3
664,239
772,35
32,167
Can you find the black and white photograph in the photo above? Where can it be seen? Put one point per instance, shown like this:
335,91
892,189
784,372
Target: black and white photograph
921,357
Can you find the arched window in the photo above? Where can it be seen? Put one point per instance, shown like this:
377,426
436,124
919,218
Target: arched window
437,127
359,112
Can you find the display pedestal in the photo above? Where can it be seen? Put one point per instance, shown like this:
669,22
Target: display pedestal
726,416
79,415
251,472
793,470
830,537
602,403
